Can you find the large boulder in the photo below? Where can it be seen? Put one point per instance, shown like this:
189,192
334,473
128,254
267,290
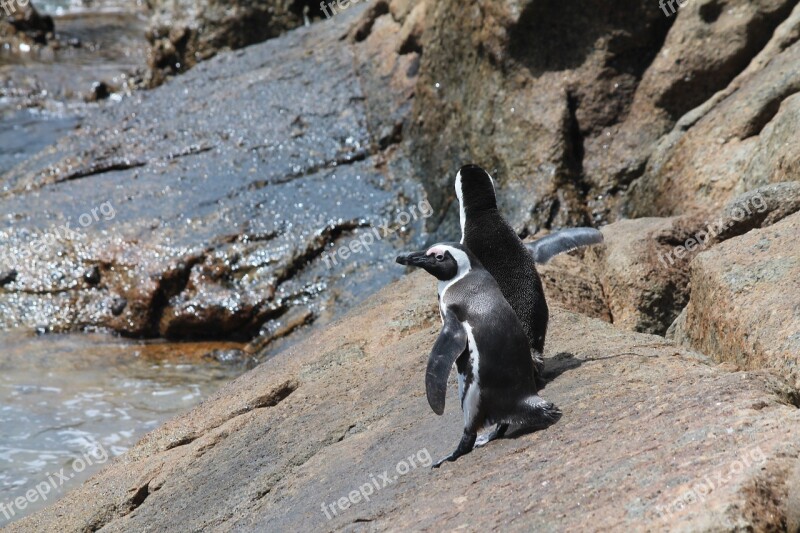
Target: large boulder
707,46
639,279
741,139
336,433
572,283
759,208
182,33
643,282
566,102
744,306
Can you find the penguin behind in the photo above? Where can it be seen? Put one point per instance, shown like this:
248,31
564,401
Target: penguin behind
482,335
496,245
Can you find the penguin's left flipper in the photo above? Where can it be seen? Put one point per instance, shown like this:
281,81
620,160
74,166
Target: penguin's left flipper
465,446
544,249
449,346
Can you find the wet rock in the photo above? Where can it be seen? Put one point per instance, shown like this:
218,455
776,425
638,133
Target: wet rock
228,357
184,32
7,276
89,45
278,328
744,307
310,426
92,276
24,24
205,214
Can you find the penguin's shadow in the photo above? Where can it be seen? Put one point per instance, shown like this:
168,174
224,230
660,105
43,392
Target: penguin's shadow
557,365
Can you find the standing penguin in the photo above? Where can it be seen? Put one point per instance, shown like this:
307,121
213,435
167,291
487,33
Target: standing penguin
496,245
482,335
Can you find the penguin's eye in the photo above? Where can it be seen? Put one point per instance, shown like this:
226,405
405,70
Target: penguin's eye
439,257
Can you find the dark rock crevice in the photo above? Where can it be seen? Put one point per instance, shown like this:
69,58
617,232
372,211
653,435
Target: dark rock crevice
575,151
171,283
102,166
308,10
364,28
138,498
767,112
271,399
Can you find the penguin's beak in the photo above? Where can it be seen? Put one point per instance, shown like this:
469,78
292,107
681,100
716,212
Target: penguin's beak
416,259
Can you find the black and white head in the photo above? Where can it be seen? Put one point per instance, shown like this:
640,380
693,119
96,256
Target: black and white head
445,261
475,192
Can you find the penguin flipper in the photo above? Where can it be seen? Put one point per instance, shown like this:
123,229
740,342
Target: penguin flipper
449,346
544,249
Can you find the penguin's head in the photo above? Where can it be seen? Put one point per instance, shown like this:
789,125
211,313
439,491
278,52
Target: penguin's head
445,261
475,189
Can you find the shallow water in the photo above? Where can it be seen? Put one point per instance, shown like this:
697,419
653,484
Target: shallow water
65,396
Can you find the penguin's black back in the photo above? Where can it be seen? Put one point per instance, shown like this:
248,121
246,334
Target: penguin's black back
501,252
506,372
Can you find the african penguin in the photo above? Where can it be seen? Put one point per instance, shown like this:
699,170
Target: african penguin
482,335
496,245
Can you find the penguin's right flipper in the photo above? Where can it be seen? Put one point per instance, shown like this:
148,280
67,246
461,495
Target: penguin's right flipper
544,249
449,346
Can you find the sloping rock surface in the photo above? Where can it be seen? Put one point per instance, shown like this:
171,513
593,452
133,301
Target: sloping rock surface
653,437
745,304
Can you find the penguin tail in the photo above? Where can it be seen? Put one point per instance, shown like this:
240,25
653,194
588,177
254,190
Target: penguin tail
535,413
544,249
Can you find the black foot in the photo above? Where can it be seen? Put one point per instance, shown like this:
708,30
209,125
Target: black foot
451,457
464,447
